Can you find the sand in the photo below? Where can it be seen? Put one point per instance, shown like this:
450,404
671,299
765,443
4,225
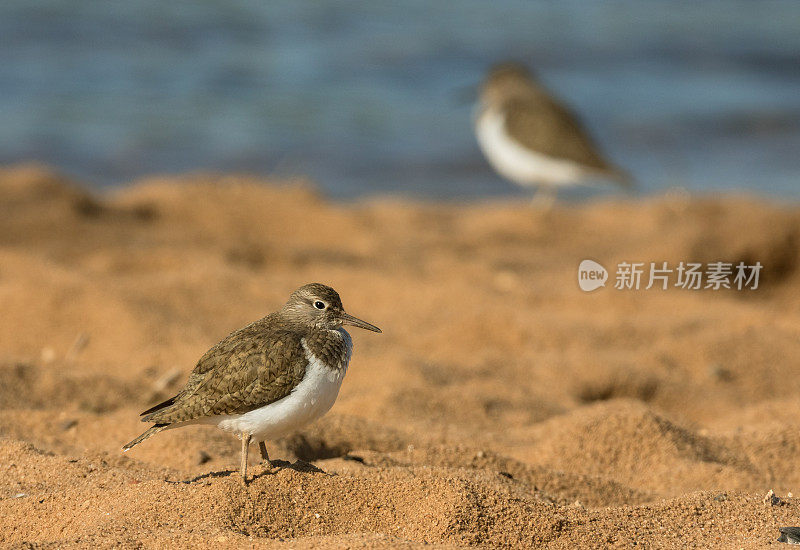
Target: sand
502,406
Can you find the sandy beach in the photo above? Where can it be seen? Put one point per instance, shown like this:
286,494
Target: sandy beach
502,406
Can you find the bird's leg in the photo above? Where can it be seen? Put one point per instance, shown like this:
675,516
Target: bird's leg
545,197
264,455
245,448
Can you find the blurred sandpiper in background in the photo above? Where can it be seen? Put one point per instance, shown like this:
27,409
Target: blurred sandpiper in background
358,95
534,140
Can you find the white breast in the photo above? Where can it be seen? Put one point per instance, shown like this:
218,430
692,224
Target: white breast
517,163
309,400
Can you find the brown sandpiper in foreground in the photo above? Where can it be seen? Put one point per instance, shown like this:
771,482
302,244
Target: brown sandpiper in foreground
269,378
532,139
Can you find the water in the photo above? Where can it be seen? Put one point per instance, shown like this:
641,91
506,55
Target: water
362,95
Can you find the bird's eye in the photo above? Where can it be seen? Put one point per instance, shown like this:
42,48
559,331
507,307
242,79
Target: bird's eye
319,305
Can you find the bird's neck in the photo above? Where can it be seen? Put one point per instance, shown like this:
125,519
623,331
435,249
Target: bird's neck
332,347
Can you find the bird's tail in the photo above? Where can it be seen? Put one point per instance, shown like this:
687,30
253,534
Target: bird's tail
151,431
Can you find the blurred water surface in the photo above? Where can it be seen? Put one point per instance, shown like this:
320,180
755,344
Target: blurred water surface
362,95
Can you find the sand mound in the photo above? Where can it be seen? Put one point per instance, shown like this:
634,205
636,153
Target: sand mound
111,498
501,407
629,443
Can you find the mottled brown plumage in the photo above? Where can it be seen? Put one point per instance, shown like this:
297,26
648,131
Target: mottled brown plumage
540,123
261,363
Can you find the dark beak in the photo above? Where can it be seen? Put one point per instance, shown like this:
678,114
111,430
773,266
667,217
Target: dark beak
348,319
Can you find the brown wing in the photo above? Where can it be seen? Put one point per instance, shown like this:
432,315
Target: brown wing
542,124
252,367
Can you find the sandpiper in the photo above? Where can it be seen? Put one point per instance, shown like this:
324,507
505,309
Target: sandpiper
532,139
269,378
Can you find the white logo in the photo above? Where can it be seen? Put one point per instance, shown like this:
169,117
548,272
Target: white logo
591,275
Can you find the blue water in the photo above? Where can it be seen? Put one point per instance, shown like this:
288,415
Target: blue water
362,96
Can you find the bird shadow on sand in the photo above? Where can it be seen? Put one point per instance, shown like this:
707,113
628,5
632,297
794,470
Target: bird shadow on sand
277,465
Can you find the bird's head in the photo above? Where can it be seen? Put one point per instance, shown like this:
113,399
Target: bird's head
505,81
319,305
